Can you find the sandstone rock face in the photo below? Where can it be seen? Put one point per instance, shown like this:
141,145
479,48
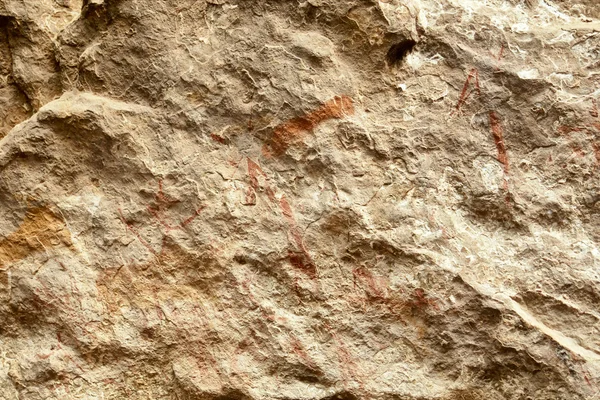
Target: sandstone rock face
319,199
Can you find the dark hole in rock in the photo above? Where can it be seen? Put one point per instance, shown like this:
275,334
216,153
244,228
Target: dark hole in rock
345,395
397,52
233,395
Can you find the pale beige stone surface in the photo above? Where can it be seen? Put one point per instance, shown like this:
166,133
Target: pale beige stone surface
314,199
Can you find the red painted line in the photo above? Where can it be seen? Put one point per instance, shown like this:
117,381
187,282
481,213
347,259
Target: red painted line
68,357
596,148
501,52
156,214
498,58
287,210
300,351
302,262
566,129
193,217
250,198
218,138
254,170
465,93
499,140
301,259
346,361
136,233
587,380
162,198
363,274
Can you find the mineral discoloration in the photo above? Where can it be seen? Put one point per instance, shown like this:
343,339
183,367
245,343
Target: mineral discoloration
40,230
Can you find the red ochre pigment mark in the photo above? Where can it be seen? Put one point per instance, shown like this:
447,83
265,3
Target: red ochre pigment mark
58,347
163,202
235,164
466,93
156,213
499,140
348,365
162,198
300,351
501,52
218,139
254,171
501,147
596,148
246,285
292,131
299,256
422,301
587,380
133,230
374,286
567,130
498,58
68,357
575,147
250,199
379,291
193,217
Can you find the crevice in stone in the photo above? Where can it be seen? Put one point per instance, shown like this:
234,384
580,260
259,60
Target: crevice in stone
14,29
344,395
5,22
94,20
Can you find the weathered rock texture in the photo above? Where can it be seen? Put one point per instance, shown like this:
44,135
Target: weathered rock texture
320,199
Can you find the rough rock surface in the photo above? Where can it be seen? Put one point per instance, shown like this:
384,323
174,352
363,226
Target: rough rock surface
319,199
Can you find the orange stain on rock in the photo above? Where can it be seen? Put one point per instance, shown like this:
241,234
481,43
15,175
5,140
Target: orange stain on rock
145,286
292,131
40,230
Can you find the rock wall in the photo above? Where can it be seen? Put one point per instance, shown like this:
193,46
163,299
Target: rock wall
319,199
